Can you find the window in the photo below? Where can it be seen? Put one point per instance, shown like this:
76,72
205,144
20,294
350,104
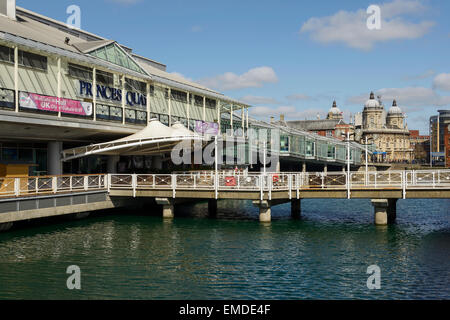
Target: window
210,103
7,98
310,148
198,101
134,85
80,72
331,151
6,54
104,77
117,55
164,119
32,60
284,144
154,116
178,95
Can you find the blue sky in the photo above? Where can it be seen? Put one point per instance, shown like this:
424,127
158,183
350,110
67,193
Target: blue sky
291,57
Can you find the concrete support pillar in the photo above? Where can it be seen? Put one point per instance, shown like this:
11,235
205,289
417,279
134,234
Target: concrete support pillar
112,164
265,213
296,208
385,211
304,167
168,208
380,210
54,163
212,207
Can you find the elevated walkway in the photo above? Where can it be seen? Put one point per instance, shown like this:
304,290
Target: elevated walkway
37,197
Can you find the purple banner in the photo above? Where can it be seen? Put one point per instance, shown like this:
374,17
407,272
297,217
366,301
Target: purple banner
46,103
211,128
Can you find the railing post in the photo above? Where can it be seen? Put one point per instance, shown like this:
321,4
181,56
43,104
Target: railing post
290,186
322,175
434,180
85,183
174,185
261,186
36,185
108,182
54,184
216,184
348,184
134,184
17,187
270,187
404,183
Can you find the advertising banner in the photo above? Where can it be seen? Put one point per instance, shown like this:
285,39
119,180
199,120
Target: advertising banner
46,103
211,128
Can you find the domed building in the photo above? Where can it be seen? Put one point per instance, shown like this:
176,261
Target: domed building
388,131
374,115
335,113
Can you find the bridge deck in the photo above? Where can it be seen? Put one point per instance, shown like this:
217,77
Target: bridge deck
373,185
385,184
37,197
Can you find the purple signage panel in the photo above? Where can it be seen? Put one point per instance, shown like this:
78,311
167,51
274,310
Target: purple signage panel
211,128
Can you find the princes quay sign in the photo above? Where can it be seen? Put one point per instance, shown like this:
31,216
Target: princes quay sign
112,94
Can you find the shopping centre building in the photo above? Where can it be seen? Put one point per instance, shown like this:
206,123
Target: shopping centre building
63,88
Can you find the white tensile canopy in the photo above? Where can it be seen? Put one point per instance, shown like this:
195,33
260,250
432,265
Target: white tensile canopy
156,138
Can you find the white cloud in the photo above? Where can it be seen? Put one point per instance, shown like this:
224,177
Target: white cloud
254,78
410,98
298,97
290,113
259,100
424,75
351,29
196,29
181,76
442,82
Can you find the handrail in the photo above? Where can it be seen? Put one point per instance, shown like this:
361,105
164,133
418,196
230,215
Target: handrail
290,182
265,184
31,186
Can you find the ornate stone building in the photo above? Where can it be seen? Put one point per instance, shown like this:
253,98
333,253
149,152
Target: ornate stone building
388,131
335,113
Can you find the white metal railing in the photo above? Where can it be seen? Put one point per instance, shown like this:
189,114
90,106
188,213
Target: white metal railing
31,186
291,182
294,183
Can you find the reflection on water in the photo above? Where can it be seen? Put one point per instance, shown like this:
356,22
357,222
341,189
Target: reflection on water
323,255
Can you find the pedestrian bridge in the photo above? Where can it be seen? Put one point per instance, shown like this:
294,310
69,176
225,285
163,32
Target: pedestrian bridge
25,198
